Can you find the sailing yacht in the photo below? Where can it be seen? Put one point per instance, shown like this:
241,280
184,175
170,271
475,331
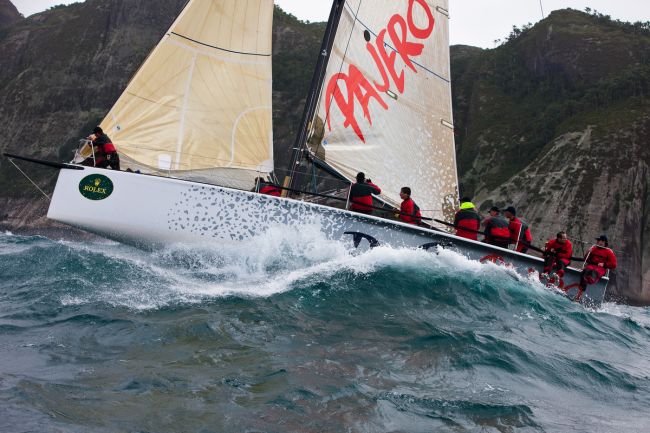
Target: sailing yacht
194,131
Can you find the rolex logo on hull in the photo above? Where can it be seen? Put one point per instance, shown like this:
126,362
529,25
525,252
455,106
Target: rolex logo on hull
96,187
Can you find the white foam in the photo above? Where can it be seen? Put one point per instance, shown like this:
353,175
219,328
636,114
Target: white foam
640,316
280,260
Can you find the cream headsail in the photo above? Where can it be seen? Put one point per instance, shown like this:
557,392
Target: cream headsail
199,108
385,104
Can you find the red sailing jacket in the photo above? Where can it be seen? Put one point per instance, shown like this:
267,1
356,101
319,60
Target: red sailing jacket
105,145
410,212
109,148
361,196
602,255
519,227
467,219
563,251
496,230
270,189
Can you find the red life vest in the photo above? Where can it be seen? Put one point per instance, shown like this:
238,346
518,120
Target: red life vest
602,255
109,148
593,272
410,212
467,223
497,231
562,251
361,196
519,228
270,189
104,144
100,155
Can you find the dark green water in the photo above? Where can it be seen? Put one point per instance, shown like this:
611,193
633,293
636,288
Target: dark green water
294,334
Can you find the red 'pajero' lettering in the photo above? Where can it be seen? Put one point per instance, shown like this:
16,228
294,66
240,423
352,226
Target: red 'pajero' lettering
356,83
359,88
415,31
382,70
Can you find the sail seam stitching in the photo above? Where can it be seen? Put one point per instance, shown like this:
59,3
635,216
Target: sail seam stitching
219,48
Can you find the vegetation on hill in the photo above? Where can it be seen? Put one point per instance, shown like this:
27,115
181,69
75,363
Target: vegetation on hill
526,92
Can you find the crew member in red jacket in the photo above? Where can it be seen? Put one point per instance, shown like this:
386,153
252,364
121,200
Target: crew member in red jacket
105,153
467,220
497,231
268,188
409,211
599,260
361,194
519,230
557,255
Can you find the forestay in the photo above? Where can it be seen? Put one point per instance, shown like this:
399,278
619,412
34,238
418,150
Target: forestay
199,108
385,105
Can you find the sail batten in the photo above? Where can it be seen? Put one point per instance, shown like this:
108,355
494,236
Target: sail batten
220,48
201,102
385,102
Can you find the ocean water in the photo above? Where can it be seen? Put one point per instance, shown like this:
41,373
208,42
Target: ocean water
293,333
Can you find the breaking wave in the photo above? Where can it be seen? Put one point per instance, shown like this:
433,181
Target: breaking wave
296,331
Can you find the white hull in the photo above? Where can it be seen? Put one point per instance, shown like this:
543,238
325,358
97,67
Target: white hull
149,211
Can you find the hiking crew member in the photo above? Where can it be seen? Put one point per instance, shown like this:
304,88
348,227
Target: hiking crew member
105,153
361,194
496,229
519,230
599,260
467,220
557,255
409,211
268,188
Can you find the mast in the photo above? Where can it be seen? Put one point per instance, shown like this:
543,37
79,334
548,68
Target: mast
314,89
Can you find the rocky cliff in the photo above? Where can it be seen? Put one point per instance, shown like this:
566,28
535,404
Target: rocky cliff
8,14
554,121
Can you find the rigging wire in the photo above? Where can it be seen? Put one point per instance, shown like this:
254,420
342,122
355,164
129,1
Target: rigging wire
541,6
29,179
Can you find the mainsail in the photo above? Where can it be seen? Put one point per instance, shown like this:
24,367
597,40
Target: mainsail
199,108
385,103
